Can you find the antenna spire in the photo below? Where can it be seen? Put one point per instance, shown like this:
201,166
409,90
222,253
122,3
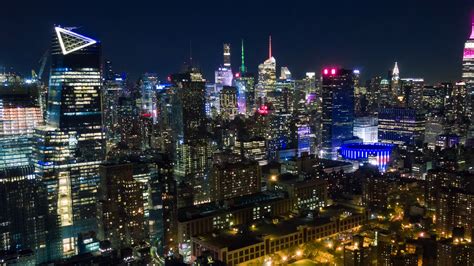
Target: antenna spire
191,53
270,47
242,66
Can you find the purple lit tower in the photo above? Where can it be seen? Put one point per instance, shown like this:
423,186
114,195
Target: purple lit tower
468,76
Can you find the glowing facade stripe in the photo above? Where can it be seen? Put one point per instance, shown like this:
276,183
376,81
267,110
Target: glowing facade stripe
82,38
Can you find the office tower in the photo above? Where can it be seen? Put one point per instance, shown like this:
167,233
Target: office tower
20,113
366,128
435,126
266,76
227,55
148,103
359,95
224,76
457,108
371,102
401,126
129,123
70,147
23,212
387,97
338,109
285,73
412,92
163,208
304,138
120,206
233,179
245,83
395,81
190,131
228,102
114,86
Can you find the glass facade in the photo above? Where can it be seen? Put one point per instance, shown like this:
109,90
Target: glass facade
70,147
338,110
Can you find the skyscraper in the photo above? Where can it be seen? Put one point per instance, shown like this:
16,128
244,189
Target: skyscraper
395,84
244,82
120,206
224,76
468,76
266,75
338,109
190,131
69,148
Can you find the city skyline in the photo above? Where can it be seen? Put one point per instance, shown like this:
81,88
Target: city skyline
324,34
339,143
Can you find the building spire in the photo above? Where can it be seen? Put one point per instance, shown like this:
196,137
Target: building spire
472,26
270,47
242,66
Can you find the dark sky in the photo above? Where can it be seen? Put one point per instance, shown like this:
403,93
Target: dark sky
425,37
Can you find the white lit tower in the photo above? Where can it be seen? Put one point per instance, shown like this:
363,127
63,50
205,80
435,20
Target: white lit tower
224,76
395,82
468,77
266,75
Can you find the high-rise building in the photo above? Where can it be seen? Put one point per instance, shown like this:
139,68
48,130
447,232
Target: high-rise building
148,91
120,206
454,252
338,109
23,212
468,77
266,76
20,113
228,102
114,86
401,126
224,76
234,179
190,129
412,92
395,81
70,147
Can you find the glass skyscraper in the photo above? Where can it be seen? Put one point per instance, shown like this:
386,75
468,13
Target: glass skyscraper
70,147
338,109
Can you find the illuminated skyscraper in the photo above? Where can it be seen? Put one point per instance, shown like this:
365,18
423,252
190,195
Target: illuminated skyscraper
190,130
70,147
412,92
245,82
468,77
20,113
114,85
224,76
120,206
395,85
266,75
148,88
227,55
228,102
338,109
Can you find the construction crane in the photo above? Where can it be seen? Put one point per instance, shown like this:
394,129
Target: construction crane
42,62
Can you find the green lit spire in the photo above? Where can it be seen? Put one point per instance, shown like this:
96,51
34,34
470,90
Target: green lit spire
242,67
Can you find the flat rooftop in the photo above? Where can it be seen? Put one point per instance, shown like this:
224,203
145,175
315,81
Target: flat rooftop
213,208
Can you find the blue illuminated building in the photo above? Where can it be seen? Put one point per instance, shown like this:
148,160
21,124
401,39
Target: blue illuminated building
376,154
337,110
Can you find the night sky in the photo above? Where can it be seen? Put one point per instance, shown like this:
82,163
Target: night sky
425,37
